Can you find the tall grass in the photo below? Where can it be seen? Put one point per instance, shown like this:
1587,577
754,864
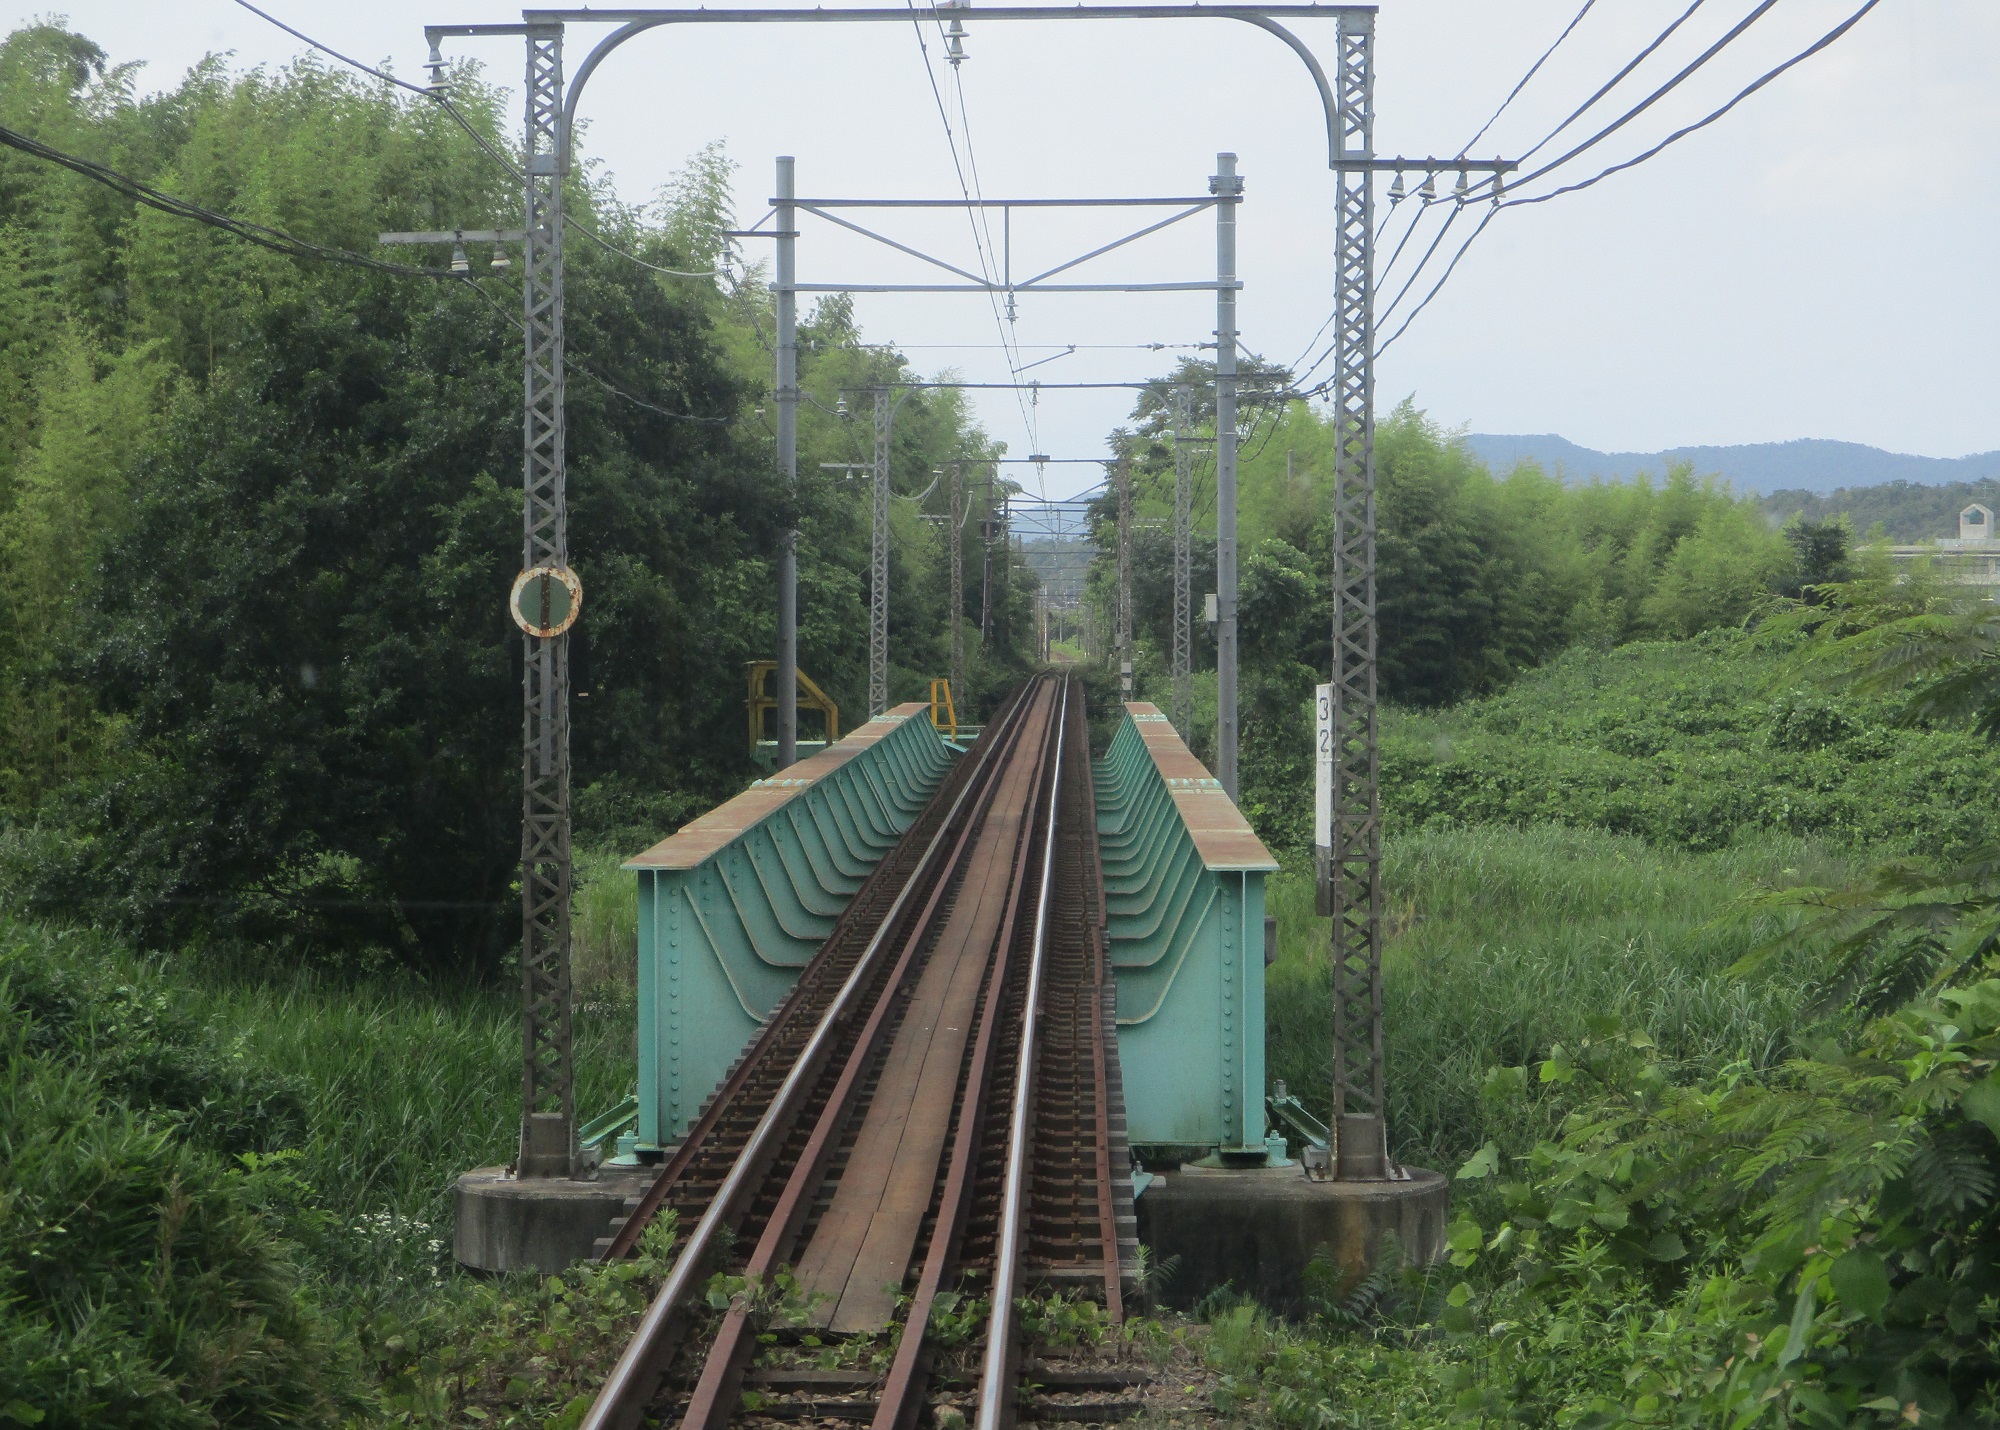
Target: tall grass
407,1084
604,928
1504,941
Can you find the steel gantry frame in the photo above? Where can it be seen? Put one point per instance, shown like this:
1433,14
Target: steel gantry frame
548,1120
1225,194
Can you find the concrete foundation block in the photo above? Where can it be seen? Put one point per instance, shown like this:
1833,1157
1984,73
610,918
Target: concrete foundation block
1257,1230
502,1223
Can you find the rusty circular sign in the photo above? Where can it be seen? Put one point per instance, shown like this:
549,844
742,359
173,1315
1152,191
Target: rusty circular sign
546,600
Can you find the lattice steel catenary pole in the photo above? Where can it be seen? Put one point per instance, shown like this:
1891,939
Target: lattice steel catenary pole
1228,189
955,608
878,565
548,1092
786,290
1124,579
1354,893
1183,564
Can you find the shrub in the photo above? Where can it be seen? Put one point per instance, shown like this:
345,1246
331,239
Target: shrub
142,1280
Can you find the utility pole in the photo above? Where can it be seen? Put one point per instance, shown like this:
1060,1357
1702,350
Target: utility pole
1354,892
785,288
878,565
1228,189
1124,579
1183,563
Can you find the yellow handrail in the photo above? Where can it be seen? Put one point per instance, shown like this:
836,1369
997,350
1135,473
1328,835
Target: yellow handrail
811,697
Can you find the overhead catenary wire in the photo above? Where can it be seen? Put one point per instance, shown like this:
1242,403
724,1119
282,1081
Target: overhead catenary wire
974,214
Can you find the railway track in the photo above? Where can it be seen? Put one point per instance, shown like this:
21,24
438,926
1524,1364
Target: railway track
926,1131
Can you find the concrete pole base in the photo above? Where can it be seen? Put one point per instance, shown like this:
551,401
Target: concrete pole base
547,1224
1257,1230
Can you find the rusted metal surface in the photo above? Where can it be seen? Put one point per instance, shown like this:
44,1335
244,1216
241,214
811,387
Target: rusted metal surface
699,838
874,1135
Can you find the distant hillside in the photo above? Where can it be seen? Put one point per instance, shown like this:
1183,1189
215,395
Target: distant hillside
1809,465
1907,510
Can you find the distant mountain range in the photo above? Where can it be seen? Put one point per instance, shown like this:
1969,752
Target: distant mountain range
1808,465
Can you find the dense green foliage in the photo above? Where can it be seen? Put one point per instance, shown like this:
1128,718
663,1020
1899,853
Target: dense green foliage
1742,1133
1696,744
258,705
1479,577
1507,941
144,1280
218,1206
259,515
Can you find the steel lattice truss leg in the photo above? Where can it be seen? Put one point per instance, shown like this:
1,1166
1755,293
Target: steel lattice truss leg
878,566
955,608
1354,895
1183,564
548,1112
1124,635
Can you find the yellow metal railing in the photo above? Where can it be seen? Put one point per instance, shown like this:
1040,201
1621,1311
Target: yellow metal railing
761,703
944,715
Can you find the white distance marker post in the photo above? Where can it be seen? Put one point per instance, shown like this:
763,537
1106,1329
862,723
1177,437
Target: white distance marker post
1323,795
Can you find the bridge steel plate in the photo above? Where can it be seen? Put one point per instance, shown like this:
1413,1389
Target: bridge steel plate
1184,903
733,905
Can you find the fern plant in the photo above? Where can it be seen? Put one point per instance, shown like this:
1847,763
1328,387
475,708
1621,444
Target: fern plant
1819,1246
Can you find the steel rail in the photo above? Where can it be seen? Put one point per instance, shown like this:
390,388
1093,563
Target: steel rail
900,1400
768,1040
996,1381
635,1378
718,1389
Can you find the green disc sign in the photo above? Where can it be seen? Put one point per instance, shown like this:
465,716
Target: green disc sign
546,600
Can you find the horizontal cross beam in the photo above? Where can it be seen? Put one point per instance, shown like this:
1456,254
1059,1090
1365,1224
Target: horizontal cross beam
1194,287
1201,200
902,16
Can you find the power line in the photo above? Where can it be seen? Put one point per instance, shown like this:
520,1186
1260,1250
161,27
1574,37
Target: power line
1755,85
1411,316
1828,38
443,101
1769,75
279,241
276,240
1728,38
1449,219
1613,82
1523,84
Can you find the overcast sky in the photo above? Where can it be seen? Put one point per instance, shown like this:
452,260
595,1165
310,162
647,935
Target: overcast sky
1819,263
